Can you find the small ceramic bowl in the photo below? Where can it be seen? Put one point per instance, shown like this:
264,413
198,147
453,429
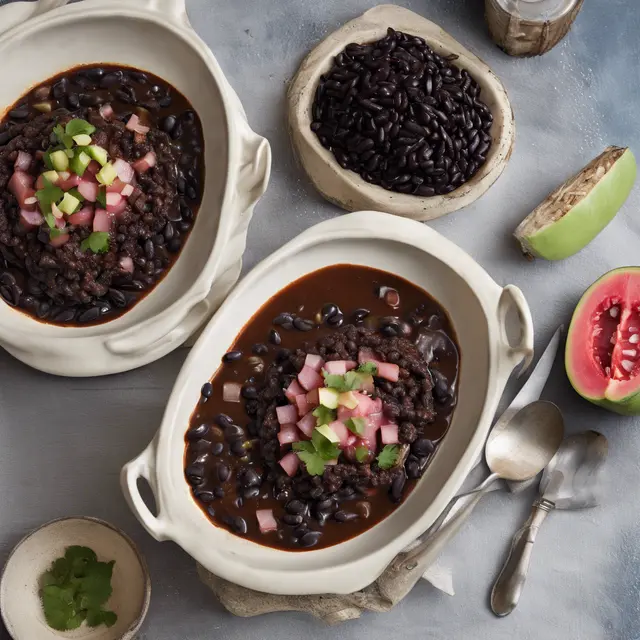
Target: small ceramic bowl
20,602
154,35
346,188
478,308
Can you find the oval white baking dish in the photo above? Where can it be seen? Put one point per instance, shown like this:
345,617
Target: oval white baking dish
154,35
477,306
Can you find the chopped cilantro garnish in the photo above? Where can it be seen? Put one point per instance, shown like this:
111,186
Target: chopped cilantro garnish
369,368
64,138
98,242
315,452
102,197
350,381
356,425
56,233
323,415
48,216
75,589
388,456
49,194
362,454
78,126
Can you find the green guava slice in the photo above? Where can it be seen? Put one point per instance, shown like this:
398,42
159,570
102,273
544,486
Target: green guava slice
602,355
577,211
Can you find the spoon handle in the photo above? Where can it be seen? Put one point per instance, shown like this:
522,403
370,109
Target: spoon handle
508,587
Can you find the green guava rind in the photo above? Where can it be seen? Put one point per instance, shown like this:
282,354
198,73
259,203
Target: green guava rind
578,227
629,404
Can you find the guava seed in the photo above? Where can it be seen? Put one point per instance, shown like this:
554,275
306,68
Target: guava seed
627,365
614,311
634,339
629,352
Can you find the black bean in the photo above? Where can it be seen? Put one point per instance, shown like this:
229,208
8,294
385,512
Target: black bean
223,420
296,507
223,471
231,356
111,79
238,449
328,311
239,525
300,531
250,478
63,315
283,319
397,487
73,101
413,469
168,123
60,88
204,496
219,492
90,315
217,448
303,325
274,337
260,349
251,492
345,516
336,320
196,433
207,390
195,470
249,392
360,314
422,447
233,432
174,245
291,519
310,539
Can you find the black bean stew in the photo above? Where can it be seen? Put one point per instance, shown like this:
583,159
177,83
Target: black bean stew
101,177
326,410
402,116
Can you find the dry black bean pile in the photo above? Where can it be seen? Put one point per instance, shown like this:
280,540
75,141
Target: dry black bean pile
66,285
232,451
402,116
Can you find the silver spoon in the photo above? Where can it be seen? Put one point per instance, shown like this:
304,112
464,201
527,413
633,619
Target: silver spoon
569,482
517,449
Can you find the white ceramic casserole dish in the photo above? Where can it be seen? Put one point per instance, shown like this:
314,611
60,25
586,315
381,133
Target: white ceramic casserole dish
478,308
154,35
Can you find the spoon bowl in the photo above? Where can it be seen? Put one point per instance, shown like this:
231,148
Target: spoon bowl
521,447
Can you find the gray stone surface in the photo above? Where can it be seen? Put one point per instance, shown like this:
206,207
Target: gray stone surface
62,442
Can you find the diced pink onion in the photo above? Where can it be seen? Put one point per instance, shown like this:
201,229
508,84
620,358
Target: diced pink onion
351,440
126,264
116,186
58,241
124,170
230,390
145,163
30,201
287,414
93,167
366,406
135,125
307,424
293,390
336,367
302,404
116,204
310,379
288,434
106,111
266,521
63,175
82,218
389,433
366,355
40,182
102,220
313,399
61,223
314,362
20,185
290,464
30,219
127,190
388,371
89,190
69,183
341,431
23,161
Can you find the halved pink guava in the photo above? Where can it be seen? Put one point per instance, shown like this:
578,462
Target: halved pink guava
602,356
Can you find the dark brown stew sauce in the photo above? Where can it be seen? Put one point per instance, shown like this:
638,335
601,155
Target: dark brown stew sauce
231,459
66,285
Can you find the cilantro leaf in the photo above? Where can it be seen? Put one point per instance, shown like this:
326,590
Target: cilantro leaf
356,425
49,194
313,462
78,126
304,445
370,368
350,381
75,589
388,456
102,197
362,454
326,449
334,381
50,218
98,242
63,136
323,415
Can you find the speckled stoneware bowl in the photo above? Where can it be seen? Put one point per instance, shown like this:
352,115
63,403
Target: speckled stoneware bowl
477,307
346,188
154,35
20,602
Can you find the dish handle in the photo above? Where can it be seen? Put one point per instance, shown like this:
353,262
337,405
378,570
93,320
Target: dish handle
173,9
16,13
144,466
510,298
